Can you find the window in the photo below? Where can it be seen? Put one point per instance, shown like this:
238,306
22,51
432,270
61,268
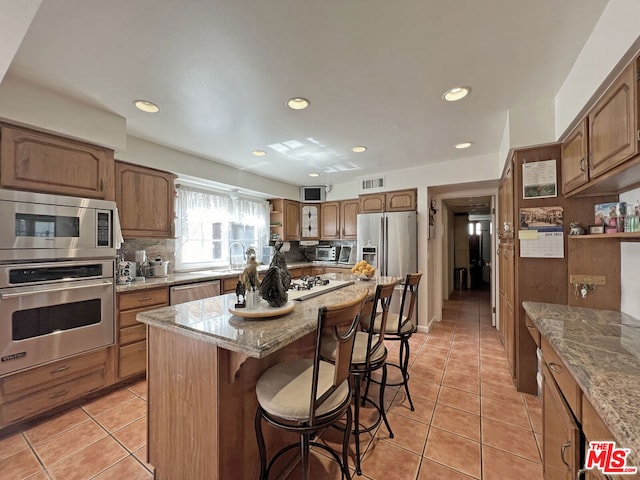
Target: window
215,231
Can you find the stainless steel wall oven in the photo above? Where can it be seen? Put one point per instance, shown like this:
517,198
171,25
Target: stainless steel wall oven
57,288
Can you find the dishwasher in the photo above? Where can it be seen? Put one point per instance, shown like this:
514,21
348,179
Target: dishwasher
193,291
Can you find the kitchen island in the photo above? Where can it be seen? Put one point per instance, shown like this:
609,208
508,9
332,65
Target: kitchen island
202,367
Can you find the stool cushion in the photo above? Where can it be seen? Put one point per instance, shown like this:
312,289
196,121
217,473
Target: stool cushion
284,390
328,349
392,324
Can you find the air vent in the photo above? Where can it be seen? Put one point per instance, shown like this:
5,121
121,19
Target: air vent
372,184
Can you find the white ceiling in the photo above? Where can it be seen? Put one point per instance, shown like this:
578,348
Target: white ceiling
374,71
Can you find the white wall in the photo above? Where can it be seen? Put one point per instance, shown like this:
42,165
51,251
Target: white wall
616,31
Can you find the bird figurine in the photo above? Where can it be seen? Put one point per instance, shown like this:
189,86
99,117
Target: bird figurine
279,261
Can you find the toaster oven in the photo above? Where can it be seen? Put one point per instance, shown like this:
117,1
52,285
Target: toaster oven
326,253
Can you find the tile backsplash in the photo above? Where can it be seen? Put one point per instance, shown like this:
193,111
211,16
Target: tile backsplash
163,248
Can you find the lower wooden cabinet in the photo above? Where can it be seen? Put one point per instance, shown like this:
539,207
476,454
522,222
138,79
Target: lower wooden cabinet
132,337
561,435
38,390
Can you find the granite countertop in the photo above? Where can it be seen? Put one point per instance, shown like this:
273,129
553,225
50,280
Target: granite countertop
601,350
180,278
209,320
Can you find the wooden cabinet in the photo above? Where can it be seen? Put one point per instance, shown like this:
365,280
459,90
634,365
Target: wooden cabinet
132,338
349,210
41,162
506,298
560,433
395,201
597,154
38,390
285,219
145,199
309,221
330,221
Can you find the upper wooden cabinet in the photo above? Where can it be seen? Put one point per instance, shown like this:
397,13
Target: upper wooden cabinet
330,221
47,163
285,219
309,221
596,155
395,201
145,199
349,210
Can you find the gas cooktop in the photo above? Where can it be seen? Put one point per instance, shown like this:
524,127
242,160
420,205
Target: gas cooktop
308,287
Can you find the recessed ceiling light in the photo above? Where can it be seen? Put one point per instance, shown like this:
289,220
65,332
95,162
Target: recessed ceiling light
359,149
314,174
259,153
456,93
462,145
146,106
298,103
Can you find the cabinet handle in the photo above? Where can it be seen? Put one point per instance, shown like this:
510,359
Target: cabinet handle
61,369
144,299
531,327
580,472
562,449
59,394
582,162
555,368
102,185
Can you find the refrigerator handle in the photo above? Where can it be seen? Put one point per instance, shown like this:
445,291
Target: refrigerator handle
381,245
385,247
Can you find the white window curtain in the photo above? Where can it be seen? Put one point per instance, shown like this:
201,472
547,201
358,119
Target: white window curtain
209,223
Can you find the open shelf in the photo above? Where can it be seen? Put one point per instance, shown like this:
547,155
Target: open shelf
632,236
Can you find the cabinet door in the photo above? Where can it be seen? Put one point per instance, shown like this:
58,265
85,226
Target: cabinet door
372,203
145,199
505,204
309,219
330,223
45,163
574,159
401,201
612,125
291,220
349,210
561,436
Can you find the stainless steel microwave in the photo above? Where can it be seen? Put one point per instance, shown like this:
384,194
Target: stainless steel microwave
41,226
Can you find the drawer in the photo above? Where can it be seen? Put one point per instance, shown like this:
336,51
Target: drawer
563,378
37,378
133,334
132,359
229,284
143,298
533,330
51,397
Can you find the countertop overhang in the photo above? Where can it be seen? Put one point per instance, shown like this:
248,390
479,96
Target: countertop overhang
601,350
209,320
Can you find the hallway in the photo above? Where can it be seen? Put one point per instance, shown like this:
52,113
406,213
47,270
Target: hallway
469,420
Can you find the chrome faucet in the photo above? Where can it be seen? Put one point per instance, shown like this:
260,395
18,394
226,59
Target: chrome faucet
244,255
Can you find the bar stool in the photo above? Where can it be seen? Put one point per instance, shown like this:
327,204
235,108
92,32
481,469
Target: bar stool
400,326
305,396
369,355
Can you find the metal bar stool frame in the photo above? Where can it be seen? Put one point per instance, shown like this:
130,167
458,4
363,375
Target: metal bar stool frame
342,322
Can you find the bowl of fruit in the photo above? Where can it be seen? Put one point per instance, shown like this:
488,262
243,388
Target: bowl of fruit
363,270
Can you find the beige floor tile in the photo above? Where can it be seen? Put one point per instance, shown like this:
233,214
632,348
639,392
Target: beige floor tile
408,434
88,462
20,465
55,425
69,442
508,412
510,438
141,455
456,421
468,383
123,414
129,468
430,470
423,408
12,444
500,465
108,402
453,397
384,460
426,373
139,388
134,435
454,451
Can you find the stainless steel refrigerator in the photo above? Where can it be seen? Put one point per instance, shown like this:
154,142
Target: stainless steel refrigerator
389,241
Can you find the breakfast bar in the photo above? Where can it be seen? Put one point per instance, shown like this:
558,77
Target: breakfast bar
203,364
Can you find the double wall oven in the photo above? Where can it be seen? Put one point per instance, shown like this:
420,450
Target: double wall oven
57,283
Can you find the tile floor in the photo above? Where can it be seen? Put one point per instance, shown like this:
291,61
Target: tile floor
469,420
